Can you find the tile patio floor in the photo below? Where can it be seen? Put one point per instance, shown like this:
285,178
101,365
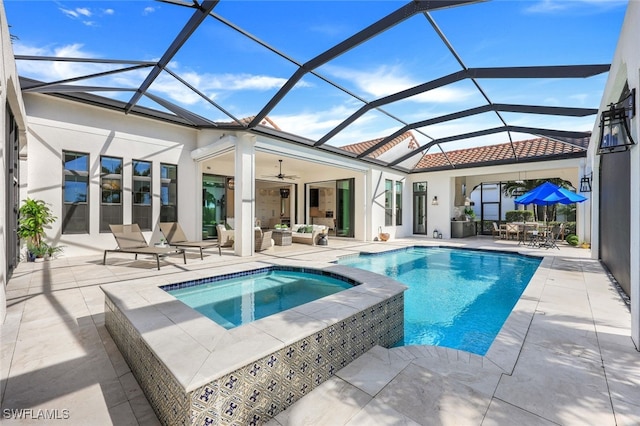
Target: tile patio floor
575,363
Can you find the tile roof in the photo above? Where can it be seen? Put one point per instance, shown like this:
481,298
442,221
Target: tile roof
360,147
527,150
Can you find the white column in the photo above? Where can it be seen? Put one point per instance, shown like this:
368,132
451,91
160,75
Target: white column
244,200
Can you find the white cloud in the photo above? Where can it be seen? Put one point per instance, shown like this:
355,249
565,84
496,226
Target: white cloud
386,80
383,81
83,11
148,10
70,13
552,6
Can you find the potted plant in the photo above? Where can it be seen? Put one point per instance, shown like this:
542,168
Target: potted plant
34,216
468,211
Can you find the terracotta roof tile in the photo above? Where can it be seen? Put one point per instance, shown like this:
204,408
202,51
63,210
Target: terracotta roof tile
360,147
527,149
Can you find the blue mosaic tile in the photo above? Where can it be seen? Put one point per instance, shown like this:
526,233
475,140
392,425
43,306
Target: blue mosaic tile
217,278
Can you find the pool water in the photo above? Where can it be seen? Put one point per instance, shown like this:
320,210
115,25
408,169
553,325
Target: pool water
241,300
456,298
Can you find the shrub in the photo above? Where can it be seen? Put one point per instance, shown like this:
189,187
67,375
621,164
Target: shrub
519,216
572,239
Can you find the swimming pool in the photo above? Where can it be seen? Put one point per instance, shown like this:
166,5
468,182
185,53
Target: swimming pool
457,298
238,299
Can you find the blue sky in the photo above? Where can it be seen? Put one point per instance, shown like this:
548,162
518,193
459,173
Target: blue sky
242,76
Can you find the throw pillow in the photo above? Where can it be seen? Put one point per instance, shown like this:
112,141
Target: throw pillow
227,227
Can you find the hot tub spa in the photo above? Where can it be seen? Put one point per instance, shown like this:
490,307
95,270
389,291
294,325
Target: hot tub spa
195,371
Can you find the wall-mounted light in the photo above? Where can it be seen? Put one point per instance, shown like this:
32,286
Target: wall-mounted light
434,202
231,184
615,135
585,182
284,192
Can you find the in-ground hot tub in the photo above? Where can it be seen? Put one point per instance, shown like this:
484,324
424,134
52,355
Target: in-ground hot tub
236,300
194,371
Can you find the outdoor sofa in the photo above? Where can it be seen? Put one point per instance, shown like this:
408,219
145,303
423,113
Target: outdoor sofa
307,234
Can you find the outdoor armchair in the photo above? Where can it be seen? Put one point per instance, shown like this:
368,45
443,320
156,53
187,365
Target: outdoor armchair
262,239
175,236
130,240
225,237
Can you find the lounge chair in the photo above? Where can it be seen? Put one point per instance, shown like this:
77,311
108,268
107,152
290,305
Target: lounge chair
131,240
225,237
174,234
263,239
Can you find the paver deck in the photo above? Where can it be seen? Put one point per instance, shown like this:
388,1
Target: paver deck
575,364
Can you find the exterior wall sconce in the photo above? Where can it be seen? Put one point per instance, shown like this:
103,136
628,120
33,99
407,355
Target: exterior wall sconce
585,183
434,202
231,184
284,192
615,135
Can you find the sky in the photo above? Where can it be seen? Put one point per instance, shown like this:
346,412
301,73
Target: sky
241,75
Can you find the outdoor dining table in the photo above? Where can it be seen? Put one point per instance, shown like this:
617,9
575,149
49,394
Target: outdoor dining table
539,237
528,233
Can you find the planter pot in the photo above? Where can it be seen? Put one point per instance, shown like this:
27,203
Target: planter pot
384,236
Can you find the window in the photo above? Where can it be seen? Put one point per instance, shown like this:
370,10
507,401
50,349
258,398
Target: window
168,193
110,192
388,202
141,213
75,210
398,203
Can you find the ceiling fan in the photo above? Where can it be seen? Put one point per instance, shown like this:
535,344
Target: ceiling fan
281,175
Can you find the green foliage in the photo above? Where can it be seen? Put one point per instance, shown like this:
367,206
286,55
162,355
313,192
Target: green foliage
519,216
34,217
572,239
469,212
38,250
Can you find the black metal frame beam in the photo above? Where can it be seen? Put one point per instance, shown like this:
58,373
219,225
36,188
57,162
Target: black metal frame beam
394,18
194,22
561,71
530,109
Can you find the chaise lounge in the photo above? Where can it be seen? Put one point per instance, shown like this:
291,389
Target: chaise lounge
175,236
131,240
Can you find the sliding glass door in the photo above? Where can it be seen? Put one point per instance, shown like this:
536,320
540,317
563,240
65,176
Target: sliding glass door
345,203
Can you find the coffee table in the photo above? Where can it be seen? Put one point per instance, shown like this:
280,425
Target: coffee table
282,237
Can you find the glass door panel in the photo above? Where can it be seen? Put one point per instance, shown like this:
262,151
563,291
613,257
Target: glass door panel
213,204
420,208
344,208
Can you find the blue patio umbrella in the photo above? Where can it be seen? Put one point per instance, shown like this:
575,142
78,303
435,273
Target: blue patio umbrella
549,194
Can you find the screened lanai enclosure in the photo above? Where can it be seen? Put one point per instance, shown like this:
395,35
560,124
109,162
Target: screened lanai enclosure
405,85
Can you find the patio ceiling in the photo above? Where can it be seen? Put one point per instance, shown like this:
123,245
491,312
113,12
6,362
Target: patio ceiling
460,104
